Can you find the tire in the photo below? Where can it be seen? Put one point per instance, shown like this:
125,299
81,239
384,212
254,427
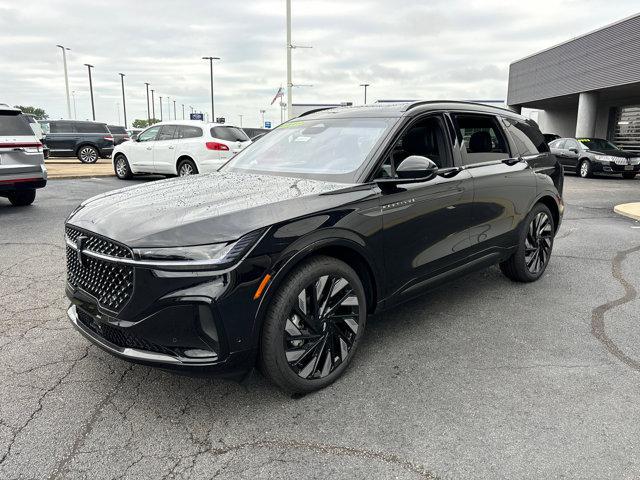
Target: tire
186,168
585,169
122,168
535,241
22,198
302,366
629,176
88,154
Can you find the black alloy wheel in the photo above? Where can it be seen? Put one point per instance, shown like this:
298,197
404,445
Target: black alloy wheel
585,170
314,326
88,154
531,258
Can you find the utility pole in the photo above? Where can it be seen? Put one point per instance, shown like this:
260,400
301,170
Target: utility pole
161,108
365,85
289,48
124,104
211,59
66,77
262,112
153,104
93,108
148,114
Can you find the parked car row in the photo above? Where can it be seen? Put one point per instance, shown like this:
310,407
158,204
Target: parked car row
586,156
181,147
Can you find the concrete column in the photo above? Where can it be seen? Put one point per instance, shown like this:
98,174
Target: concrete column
587,110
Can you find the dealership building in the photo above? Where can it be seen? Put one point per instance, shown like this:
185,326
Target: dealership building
588,86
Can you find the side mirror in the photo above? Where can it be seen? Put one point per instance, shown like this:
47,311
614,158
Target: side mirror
134,137
574,150
416,167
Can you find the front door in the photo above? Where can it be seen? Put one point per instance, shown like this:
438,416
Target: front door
141,151
425,225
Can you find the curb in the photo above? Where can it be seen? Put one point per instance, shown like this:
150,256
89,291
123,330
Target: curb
71,177
631,210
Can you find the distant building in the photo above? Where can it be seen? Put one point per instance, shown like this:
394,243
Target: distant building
587,86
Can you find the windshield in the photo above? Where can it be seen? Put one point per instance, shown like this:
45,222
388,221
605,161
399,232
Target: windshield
597,144
327,149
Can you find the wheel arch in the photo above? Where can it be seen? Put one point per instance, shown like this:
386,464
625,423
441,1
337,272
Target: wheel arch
552,204
86,144
182,157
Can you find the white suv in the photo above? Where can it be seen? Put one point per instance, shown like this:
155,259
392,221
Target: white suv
179,148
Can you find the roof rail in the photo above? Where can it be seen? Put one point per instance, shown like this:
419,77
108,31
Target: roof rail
315,110
428,102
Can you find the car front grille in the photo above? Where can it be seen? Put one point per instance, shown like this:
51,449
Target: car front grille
111,284
118,336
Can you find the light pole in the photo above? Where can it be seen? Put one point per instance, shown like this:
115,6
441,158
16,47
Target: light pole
289,48
153,104
211,59
183,111
365,85
241,115
124,104
148,114
262,112
174,110
160,108
66,76
93,108
168,109
75,111
118,109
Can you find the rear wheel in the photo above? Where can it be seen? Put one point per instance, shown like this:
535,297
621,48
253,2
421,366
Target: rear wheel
585,169
313,326
186,168
530,260
122,168
88,154
22,198
629,176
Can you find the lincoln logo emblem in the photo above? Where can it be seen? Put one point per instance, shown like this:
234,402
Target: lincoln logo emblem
80,245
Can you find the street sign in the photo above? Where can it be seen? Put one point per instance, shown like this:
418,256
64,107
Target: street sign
220,120
267,124
196,116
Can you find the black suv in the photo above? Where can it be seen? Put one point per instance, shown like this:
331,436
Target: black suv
280,256
86,140
119,133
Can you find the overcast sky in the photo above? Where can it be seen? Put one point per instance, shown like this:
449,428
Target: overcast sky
404,48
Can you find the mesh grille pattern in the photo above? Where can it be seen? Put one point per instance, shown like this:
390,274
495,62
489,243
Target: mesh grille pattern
118,336
110,283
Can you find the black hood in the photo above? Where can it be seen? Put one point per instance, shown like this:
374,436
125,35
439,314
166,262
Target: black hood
616,153
207,208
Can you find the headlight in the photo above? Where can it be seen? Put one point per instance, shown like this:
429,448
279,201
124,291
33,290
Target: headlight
603,158
199,257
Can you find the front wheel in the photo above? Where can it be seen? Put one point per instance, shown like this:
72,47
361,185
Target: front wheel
186,168
313,326
585,169
88,154
122,168
629,176
22,198
530,260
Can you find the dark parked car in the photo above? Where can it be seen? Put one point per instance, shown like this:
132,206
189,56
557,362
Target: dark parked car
86,140
252,133
280,257
586,156
120,134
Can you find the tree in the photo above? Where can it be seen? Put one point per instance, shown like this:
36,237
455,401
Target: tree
37,112
143,123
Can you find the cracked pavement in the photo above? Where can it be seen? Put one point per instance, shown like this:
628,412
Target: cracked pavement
482,378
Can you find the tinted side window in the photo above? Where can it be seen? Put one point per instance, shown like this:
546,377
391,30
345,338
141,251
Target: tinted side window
117,130
90,127
229,134
483,139
149,134
527,137
63,127
12,124
187,131
167,132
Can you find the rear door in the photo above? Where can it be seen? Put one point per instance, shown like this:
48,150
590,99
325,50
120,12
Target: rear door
164,150
63,137
233,138
503,183
20,151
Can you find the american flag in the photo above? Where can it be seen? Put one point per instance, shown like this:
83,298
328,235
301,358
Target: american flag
279,94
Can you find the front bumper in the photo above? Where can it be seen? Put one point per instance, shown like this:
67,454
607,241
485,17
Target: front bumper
614,168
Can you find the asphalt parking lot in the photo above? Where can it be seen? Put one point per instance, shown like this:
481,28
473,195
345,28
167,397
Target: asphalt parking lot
482,378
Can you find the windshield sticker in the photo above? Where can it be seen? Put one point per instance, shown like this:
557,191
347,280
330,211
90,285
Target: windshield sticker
292,125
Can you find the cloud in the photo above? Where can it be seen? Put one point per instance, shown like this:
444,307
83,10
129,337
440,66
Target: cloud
405,49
